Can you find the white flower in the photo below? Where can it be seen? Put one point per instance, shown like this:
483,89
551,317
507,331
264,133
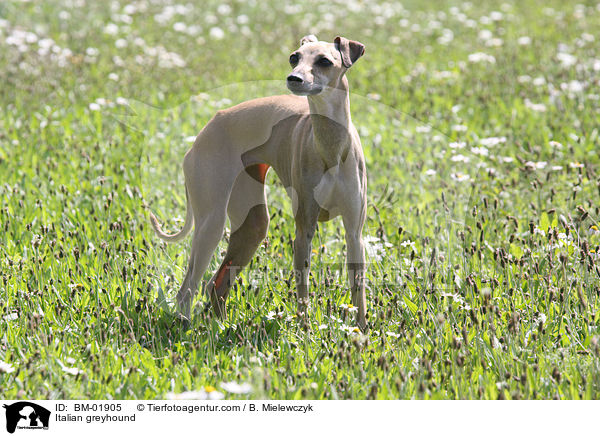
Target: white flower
190,139
415,363
349,307
564,240
11,316
524,40
6,368
576,165
482,151
113,76
485,34
556,168
496,343
457,145
494,42
524,79
392,334
566,59
460,177
354,331
193,30
111,29
91,51
555,144
46,43
541,318
537,107
217,33
459,158
236,388
224,9
492,141
587,37
94,107
574,86
430,172
408,243
122,101
179,27
131,9
539,81
496,16
481,57
71,371
536,165
423,129
375,248
211,19
446,38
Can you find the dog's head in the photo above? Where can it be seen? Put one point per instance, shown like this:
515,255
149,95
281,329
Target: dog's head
317,65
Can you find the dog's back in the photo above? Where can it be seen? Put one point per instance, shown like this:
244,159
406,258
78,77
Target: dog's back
249,124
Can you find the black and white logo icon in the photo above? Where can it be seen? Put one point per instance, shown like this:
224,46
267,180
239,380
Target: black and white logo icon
26,415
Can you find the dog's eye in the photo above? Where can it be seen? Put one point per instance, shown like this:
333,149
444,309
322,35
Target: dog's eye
294,59
324,62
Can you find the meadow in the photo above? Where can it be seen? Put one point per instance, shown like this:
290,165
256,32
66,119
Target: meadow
479,123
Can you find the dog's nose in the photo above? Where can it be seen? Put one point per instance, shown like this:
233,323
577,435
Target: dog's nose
293,78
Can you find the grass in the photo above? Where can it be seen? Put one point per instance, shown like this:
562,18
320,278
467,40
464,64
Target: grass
483,275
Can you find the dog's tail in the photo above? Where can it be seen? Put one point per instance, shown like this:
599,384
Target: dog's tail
187,226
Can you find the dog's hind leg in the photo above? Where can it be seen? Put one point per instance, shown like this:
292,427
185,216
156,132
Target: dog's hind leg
249,217
209,184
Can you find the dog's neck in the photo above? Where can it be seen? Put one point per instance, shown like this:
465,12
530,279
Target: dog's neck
330,116
332,104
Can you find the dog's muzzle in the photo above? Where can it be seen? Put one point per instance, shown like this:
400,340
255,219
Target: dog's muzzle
299,86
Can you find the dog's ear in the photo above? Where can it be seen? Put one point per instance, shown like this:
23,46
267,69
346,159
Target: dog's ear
350,50
308,38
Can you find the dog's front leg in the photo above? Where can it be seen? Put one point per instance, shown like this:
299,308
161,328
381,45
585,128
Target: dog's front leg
356,276
306,224
355,260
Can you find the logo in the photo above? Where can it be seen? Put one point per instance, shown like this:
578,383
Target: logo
26,415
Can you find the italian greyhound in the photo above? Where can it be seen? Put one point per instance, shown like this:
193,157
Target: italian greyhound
309,140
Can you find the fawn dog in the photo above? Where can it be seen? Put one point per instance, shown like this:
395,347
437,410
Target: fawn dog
309,140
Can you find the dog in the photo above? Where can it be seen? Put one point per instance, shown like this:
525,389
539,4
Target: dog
309,140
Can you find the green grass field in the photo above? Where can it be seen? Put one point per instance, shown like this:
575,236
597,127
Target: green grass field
479,124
